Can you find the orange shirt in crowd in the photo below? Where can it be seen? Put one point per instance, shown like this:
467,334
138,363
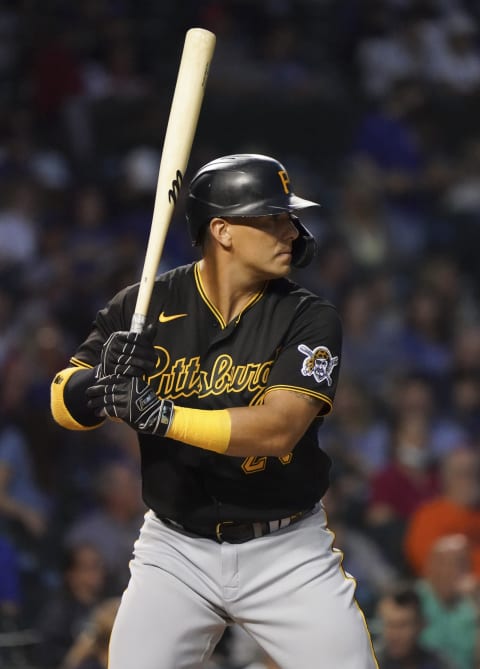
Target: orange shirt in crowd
435,519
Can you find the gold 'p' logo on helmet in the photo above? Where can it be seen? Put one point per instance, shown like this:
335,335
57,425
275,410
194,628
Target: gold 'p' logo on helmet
285,181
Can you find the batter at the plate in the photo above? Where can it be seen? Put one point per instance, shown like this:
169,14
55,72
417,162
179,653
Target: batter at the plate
226,388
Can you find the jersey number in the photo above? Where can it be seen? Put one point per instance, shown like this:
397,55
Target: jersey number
254,463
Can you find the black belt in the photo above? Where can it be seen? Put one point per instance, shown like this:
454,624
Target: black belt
237,532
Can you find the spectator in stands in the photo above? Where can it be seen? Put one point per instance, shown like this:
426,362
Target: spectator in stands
10,591
361,216
455,69
442,272
463,197
398,489
450,600
8,324
415,394
425,343
14,654
466,348
402,51
90,647
24,508
66,611
282,59
395,137
369,349
18,229
356,436
401,621
455,510
90,242
113,526
117,77
460,207
465,403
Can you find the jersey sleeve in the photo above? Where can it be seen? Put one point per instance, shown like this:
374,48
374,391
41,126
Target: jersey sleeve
309,360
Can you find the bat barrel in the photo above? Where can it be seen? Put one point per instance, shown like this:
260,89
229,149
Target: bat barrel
187,100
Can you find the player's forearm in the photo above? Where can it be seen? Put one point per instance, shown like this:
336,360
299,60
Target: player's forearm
258,430
240,431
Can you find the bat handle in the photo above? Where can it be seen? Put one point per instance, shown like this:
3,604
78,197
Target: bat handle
138,321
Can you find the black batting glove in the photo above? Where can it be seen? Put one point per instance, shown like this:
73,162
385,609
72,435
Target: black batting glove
128,354
133,401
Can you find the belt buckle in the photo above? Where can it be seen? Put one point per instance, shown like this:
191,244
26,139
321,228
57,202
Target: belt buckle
218,529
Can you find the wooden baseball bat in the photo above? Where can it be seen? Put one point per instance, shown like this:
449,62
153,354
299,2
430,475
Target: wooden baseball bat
187,99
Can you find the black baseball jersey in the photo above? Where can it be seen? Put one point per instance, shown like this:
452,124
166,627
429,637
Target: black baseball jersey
285,338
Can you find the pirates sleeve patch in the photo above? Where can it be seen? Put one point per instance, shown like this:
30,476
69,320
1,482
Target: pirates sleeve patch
318,363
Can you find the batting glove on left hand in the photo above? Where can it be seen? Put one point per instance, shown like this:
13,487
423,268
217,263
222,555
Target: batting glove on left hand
128,354
133,401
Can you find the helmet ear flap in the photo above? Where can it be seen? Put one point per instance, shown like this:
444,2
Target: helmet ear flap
304,247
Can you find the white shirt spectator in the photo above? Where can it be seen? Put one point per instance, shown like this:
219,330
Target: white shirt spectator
456,61
402,54
17,237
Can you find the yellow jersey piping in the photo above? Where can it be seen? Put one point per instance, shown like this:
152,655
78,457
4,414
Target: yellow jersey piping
213,308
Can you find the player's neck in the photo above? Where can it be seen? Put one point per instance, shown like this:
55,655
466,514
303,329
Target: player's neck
226,288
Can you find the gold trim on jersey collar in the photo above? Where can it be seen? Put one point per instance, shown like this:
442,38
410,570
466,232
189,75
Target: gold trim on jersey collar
213,308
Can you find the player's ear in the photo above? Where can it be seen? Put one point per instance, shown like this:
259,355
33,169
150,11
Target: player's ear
220,231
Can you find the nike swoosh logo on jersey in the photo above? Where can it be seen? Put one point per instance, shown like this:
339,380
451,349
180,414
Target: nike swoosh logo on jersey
165,319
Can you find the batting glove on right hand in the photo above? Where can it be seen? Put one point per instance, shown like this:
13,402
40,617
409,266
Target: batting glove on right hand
128,354
133,401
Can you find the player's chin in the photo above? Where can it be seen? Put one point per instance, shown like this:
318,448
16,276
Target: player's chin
278,266
283,263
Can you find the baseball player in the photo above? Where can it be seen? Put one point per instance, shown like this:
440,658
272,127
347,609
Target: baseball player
226,388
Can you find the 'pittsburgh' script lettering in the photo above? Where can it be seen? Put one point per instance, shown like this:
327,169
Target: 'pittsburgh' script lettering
184,377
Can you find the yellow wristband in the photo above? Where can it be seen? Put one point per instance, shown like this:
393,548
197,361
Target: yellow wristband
202,428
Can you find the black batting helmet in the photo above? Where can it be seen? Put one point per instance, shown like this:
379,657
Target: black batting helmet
246,184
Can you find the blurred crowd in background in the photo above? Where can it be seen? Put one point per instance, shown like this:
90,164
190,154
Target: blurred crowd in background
373,107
